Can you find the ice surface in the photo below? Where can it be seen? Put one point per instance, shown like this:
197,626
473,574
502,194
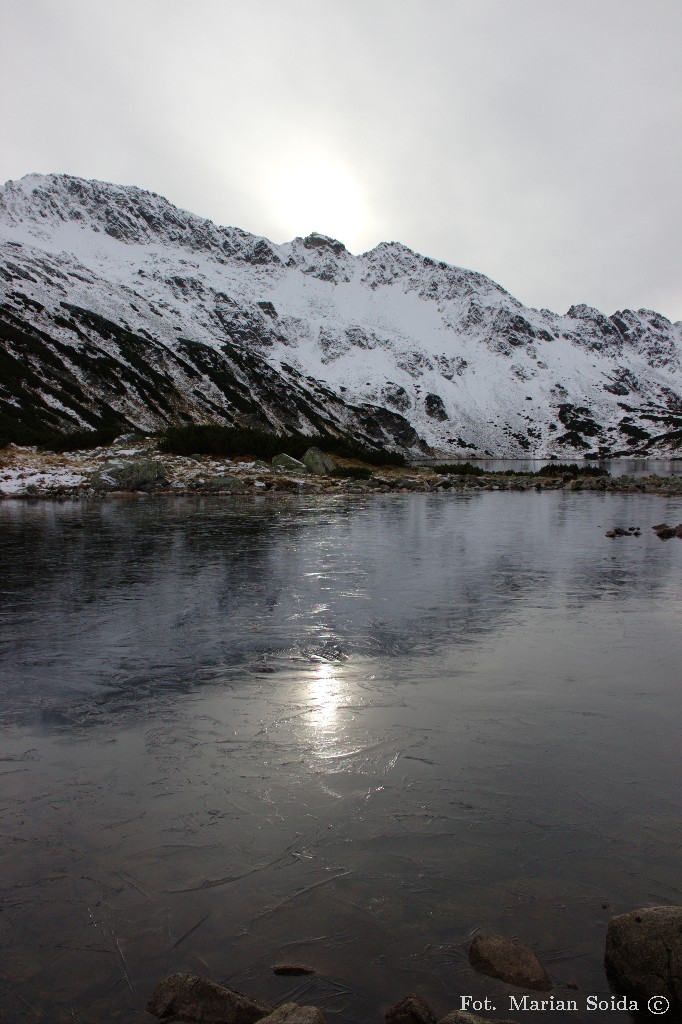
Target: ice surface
345,732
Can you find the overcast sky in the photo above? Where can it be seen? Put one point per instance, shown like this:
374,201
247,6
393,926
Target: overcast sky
537,141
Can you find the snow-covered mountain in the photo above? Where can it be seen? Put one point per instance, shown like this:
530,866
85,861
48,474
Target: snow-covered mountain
117,305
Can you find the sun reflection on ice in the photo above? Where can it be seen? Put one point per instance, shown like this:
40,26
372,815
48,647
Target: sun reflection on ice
325,688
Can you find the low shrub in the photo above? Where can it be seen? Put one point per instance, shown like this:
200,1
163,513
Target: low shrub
559,468
353,472
59,441
214,439
77,440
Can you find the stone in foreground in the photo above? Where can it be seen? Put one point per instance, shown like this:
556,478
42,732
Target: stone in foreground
319,462
509,961
192,998
411,1009
292,1013
464,1017
644,951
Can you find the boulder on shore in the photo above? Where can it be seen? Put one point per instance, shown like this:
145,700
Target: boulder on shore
644,951
289,464
319,462
137,475
192,998
509,961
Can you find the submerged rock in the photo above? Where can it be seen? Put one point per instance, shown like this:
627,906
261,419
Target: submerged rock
192,998
644,951
410,1009
665,532
509,961
289,969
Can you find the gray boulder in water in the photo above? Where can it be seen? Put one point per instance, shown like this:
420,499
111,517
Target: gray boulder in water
137,475
292,1013
319,462
509,961
191,998
644,951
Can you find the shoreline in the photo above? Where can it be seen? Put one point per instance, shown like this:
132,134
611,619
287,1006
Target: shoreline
124,470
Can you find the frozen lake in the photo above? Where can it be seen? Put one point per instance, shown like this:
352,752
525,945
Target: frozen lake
616,467
346,733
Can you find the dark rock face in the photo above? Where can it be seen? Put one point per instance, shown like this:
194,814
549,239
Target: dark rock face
397,396
268,308
390,425
411,1009
317,241
196,999
649,332
434,407
97,372
644,951
513,328
509,961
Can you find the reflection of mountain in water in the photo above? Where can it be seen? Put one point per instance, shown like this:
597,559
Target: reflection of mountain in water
170,594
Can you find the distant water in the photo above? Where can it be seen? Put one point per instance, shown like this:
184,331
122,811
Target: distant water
339,732
616,467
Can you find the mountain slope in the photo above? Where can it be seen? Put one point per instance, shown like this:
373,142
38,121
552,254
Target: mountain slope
116,304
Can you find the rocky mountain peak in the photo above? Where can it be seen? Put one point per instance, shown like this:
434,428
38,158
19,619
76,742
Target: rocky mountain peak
104,284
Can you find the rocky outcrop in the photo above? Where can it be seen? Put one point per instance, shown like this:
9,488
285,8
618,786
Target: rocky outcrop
509,961
435,408
292,970
644,952
191,998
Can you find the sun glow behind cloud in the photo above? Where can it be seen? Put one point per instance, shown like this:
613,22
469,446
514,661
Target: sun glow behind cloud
320,193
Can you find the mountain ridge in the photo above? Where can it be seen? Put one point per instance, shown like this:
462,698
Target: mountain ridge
214,323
